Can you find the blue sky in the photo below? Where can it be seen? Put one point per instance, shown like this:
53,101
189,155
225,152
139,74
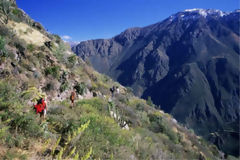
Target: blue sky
91,19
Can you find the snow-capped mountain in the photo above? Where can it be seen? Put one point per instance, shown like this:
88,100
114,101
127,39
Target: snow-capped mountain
188,64
198,13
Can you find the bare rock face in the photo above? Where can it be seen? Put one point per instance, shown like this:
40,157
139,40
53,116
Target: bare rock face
188,64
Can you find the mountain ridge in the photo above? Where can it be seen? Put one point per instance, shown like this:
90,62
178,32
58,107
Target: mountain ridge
161,60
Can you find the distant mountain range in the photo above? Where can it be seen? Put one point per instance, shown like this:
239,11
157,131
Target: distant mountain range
188,64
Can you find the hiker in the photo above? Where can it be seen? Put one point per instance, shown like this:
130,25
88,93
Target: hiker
72,97
41,108
112,90
117,90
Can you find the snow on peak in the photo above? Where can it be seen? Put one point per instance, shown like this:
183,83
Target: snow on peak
195,13
206,12
237,10
192,10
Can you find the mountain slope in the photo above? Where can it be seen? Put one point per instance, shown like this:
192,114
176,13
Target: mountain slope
99,126
188,64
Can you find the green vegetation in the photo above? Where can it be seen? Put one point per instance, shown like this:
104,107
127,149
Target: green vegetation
53,71
15,155
2,44
16,126
3,52
63,86
149,101
103,127
158,124
30,47
16,15
5,7
68,148
16,12
59,52
72,60
80,88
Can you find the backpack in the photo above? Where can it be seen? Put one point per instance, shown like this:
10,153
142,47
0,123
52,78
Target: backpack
72,97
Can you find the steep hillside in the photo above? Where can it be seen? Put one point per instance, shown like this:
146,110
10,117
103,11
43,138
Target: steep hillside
188,64
99,126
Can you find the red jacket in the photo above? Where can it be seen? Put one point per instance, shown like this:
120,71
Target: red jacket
40,107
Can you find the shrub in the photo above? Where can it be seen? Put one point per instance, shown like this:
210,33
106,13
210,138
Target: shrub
63,77
103,135
5,31
3,133
14,155
122,98
25,64
20,45
16,15
158,124
40,55
129,90
72,60
140,107
26,124
10,141
3,52
5,7
53,70
2,43
80,88
7,93
105,78
30,47
59,52
95,103
50,86
16,12
149,101
63,86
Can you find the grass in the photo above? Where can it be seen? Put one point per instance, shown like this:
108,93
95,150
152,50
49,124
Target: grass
22,31
102,134
17,127
15,155
160,125
102,138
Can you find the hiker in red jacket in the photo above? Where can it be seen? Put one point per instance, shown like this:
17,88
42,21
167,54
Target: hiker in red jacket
72,97
41,108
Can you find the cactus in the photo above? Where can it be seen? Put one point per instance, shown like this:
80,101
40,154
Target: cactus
55,146
76,157
87,156
71,153
115,113
67,150
60,154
